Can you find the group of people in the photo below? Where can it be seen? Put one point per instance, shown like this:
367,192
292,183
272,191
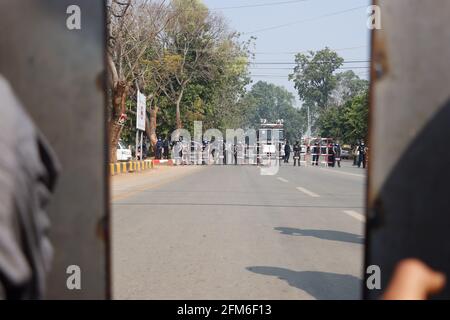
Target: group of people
162,149
334,153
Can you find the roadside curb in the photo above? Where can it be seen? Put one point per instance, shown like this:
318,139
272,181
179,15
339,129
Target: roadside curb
136,166
163,162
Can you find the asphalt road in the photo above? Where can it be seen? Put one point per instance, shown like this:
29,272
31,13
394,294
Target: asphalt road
227,232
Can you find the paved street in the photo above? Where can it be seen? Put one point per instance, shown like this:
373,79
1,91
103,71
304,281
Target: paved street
226,232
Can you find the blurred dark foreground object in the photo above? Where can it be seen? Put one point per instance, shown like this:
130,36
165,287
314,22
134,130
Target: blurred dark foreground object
28,171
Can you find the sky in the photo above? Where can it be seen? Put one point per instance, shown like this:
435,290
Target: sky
283,27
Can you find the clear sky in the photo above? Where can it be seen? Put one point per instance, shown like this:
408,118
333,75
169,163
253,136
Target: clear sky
283,27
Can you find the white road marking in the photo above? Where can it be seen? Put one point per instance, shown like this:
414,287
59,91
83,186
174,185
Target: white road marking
343,172
356,215
309,193
282,180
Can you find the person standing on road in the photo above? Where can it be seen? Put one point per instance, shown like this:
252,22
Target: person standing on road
362,155
331,155
166,148
224,150
287,152
235,154
144,151
159,146
297,150
337,154
315,153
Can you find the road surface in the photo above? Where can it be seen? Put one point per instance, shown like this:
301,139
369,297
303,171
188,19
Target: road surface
227,232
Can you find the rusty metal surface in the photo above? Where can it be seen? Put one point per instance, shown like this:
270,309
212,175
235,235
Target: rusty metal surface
55,72
410,117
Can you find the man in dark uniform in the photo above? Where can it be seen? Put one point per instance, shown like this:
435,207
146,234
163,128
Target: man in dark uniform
362,155
337,154
287,152
331,155
315,153
224,152
297,151
235,153
166,148
159,146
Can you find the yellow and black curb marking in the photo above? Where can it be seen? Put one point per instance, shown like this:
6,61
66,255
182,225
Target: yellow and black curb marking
132,166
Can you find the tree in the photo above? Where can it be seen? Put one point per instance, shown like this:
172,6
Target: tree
132,28
205,72
182,57
331,123
192,36
347,123
271,102
356,118
348,86
314,77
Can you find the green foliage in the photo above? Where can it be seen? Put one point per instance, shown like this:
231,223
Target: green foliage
314,76
271,102
337,102
347,123
348,86
197,58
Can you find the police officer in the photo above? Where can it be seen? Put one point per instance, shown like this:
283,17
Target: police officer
297,151
159,146
166,144
224,146
287,152
337,154
331,155
315,152
362,155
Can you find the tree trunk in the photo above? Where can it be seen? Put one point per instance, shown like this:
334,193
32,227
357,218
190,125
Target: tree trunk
151,126
178,113
120,93
114,131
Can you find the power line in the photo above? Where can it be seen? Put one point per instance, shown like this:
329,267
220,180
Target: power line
293,63
304,20
267,4
306,51
245,6
284,76
291,69
280,52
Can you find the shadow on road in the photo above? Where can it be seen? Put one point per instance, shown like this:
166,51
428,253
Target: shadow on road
320,285
323,234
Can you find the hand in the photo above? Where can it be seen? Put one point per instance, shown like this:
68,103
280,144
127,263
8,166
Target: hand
413,280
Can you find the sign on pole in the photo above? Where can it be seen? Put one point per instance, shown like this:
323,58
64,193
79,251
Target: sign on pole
140,112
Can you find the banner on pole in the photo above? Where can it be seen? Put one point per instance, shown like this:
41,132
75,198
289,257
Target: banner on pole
140,111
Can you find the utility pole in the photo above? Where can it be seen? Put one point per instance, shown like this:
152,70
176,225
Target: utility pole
309,123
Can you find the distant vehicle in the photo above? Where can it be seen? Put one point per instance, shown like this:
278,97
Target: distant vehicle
268,148
345,154
123,153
